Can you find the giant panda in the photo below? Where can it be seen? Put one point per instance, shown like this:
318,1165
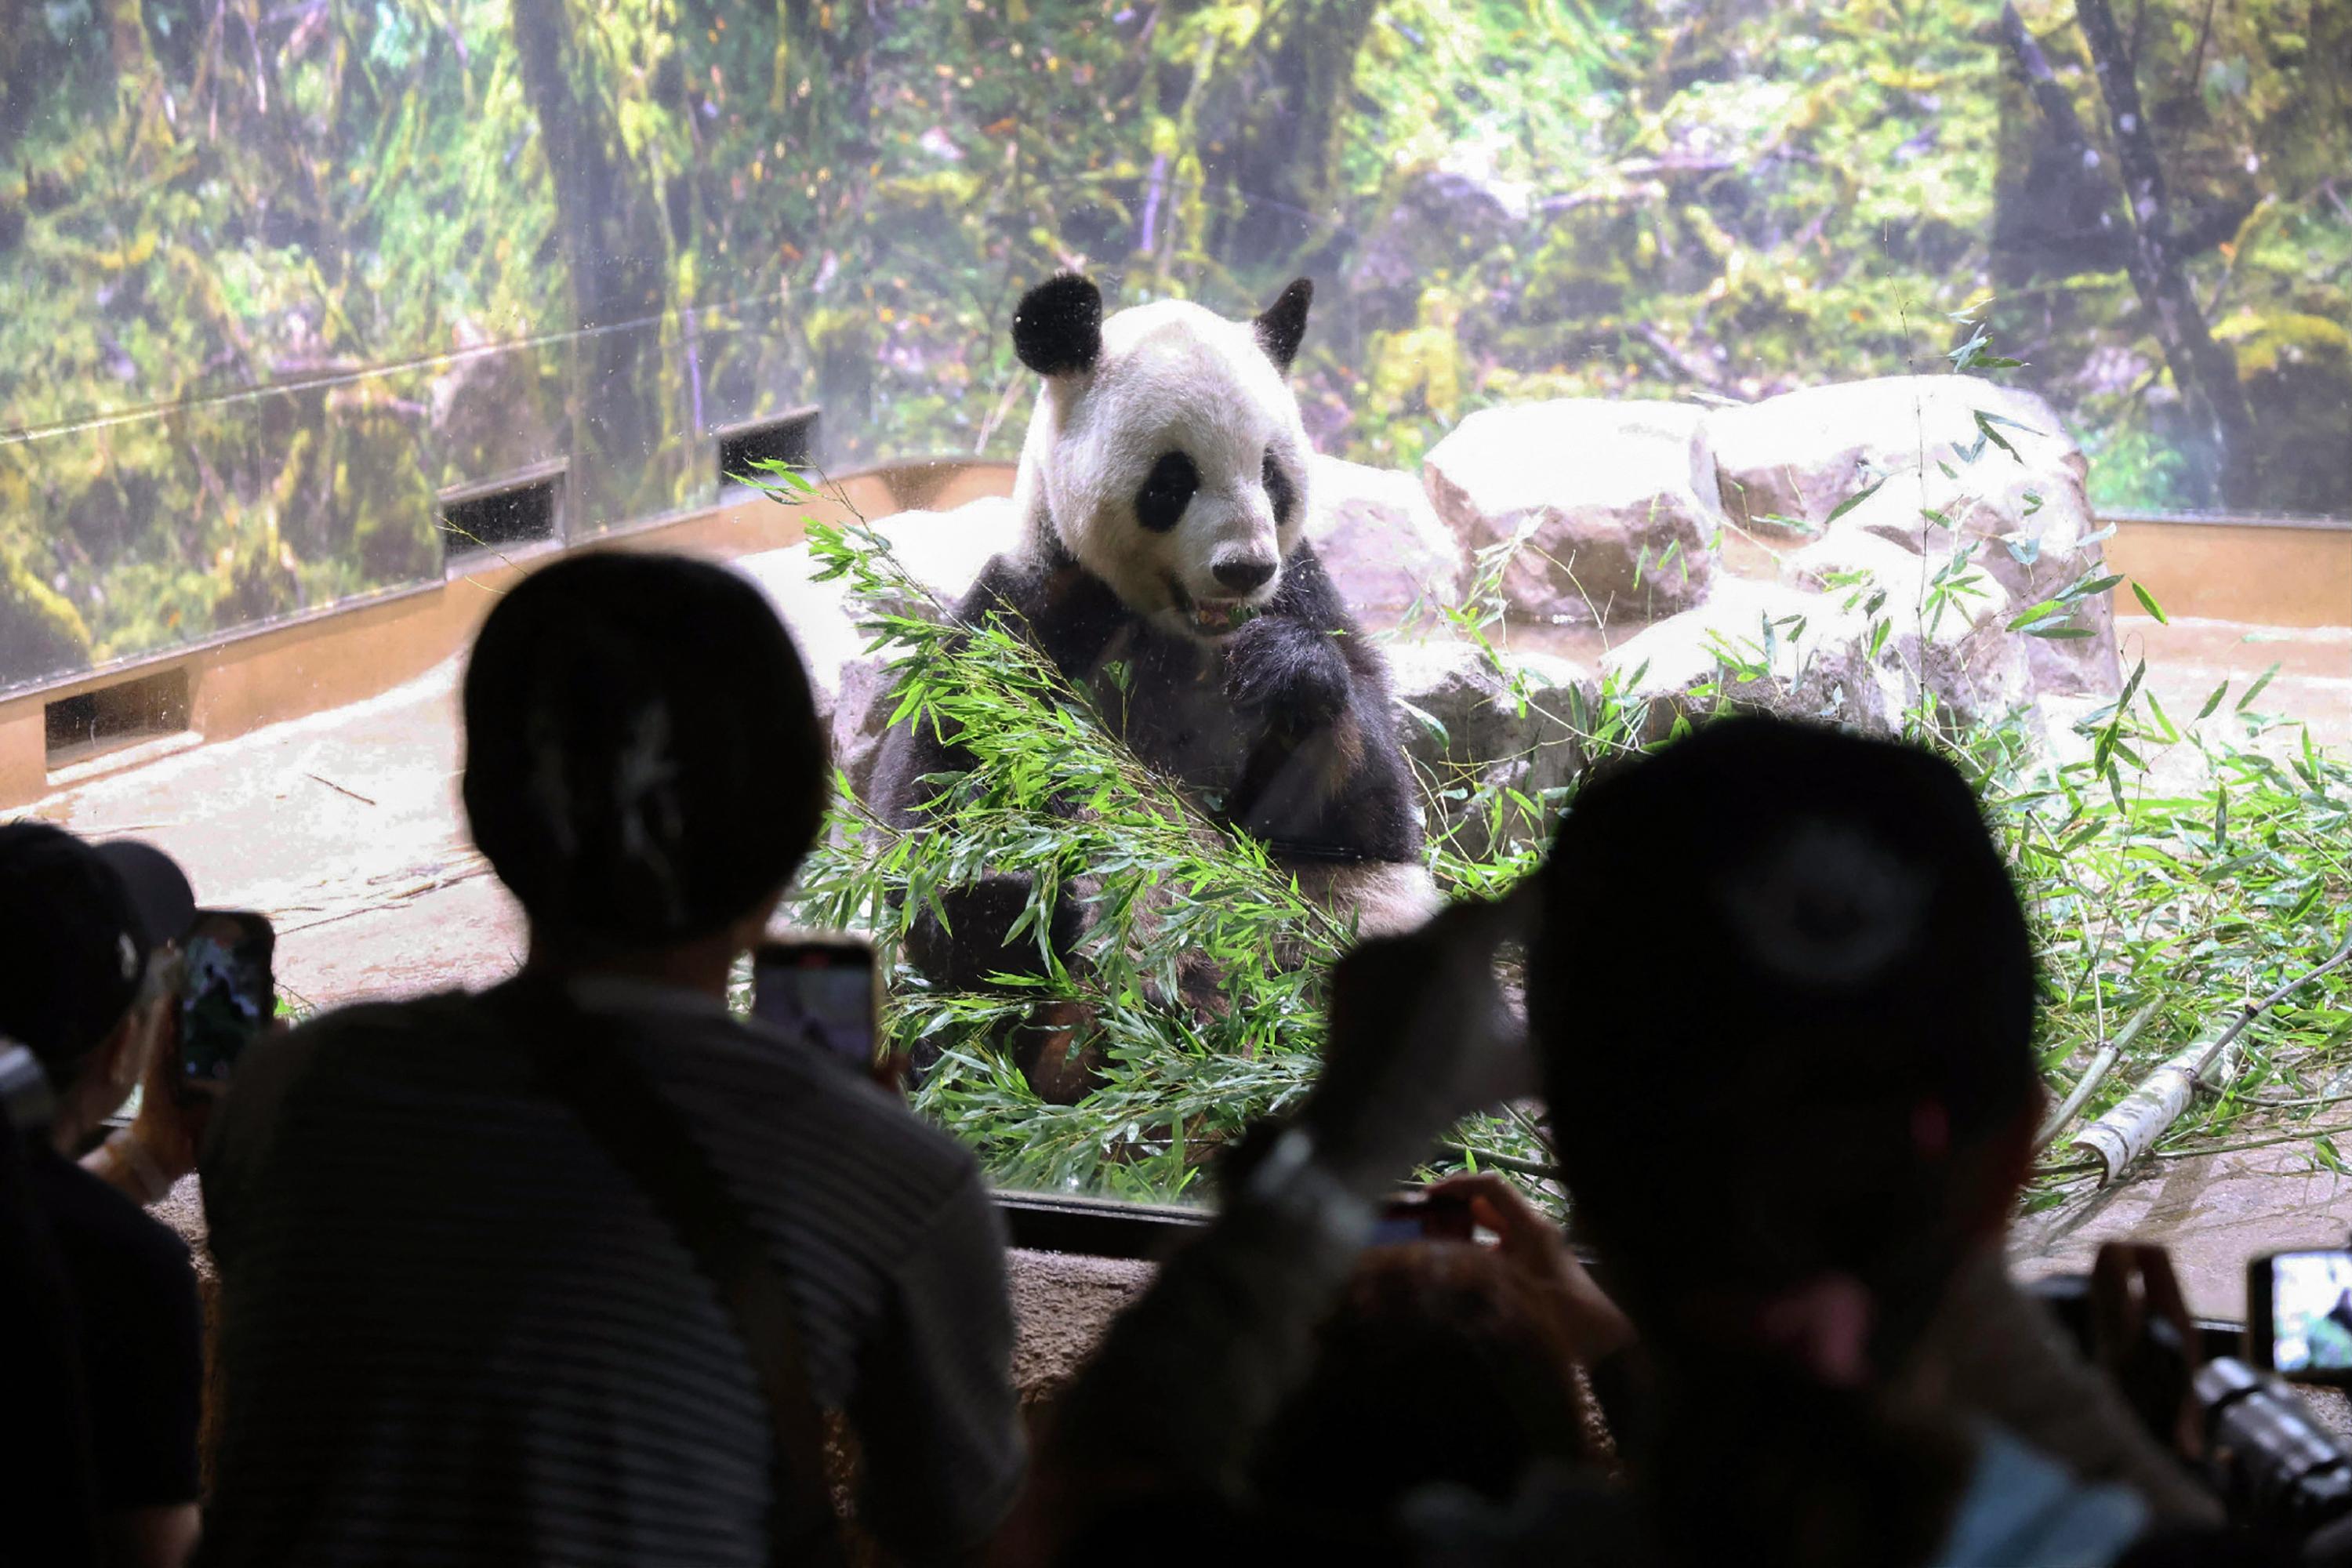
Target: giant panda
1162,496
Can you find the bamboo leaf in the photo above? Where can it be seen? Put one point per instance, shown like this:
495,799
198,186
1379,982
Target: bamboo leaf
1853,501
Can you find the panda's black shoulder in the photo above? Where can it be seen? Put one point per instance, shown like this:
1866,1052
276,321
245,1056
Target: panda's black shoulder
1068,611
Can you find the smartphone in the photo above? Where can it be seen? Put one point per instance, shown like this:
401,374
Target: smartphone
2299,1314
821,988
227,994
1423,1217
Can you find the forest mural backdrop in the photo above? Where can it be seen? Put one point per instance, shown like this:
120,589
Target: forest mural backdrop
272,272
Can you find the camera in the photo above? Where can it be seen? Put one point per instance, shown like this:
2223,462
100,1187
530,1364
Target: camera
1423,1217
227,994
2274,1465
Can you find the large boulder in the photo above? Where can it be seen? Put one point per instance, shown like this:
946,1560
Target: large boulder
943,550
2032,532
1947,485
1757,646
1379,539
1612,506
1470,728
1948,626
1800,455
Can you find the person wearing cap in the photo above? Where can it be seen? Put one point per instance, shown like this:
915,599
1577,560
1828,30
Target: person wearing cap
88,930
452,1327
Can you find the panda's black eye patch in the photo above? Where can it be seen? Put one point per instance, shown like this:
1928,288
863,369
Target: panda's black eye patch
1167,491
1279,491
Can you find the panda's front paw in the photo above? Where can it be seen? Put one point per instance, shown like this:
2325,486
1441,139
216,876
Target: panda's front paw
1287,669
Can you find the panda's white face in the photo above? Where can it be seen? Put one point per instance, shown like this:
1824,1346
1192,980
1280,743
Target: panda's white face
1175,467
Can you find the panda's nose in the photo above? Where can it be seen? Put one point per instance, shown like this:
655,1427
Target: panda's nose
1243,574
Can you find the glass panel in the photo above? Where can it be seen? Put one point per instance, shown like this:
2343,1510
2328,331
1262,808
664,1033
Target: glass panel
277,280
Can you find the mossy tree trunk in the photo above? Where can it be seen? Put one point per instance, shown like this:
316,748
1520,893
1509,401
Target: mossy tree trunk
825,66
610,228
2205,368
1285,184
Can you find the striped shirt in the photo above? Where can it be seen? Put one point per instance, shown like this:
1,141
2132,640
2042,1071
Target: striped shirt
454,1331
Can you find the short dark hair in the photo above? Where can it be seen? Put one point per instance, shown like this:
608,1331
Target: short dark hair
1781,973
643,759
79,922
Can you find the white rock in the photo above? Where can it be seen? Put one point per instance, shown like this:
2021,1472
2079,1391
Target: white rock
944,551
2027,532
861,711
1757,646
1464,727
1379,540
1950,639
1614,505
1802,453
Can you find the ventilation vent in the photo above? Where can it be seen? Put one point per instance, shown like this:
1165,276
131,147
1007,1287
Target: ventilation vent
500,515
92,724
786,438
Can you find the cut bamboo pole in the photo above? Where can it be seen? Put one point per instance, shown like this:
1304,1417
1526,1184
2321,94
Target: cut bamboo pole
2132,1124
2128,1129
2094,1075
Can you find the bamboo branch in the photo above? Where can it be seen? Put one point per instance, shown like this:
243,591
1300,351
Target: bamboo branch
2085,1085
2254,1010
2127,1131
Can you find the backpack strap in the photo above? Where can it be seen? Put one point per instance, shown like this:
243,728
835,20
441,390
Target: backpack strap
579,1060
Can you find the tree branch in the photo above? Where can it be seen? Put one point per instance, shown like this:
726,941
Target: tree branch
2205,368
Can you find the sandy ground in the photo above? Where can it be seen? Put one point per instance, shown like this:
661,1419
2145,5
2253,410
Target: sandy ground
345,829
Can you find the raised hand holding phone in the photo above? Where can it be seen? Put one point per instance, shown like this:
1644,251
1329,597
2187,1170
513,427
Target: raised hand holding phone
227,994
823,990
1419,1037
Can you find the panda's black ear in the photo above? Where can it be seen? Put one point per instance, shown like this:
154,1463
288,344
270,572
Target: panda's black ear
1058,326
1284,323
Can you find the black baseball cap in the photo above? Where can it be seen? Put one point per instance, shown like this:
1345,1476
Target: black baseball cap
78,923
1805,947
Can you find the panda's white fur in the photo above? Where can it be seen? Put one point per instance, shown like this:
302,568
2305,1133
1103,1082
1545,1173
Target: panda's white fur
1170,376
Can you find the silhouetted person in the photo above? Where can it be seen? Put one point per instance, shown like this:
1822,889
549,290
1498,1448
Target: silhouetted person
456,1329
1781,995
85,930
1445,1362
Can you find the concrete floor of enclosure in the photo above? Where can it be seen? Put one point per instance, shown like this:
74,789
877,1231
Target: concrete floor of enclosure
345,829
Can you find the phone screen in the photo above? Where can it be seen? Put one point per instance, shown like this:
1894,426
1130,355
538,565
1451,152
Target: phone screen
226,993
1422,1216
822,991
2311,1313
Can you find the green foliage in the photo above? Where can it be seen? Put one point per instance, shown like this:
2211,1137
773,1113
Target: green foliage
2195,866
204,205
1057,797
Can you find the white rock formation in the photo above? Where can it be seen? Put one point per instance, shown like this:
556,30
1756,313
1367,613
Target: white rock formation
1466,725
1614,506
1379,540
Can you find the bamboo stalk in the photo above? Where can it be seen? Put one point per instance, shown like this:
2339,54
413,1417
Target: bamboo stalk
2128,1129
2254,1010
2094,1075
